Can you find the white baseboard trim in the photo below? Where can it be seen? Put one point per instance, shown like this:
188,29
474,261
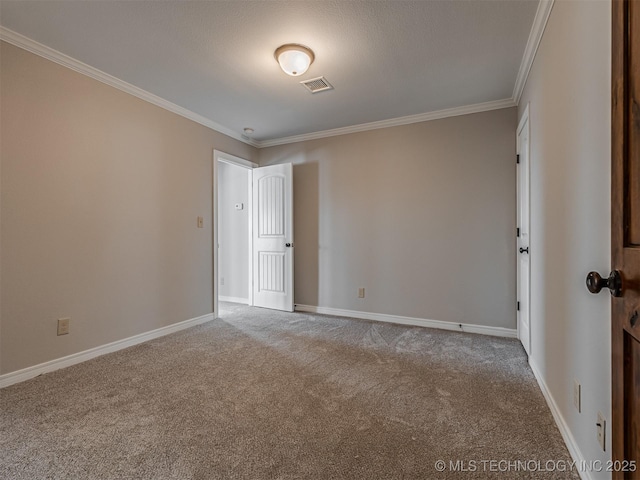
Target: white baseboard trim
419,322
567,436
233,299
18,376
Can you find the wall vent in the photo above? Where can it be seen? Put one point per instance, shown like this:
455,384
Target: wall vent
316,85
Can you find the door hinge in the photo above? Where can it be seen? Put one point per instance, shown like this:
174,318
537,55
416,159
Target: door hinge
518,158
518,232
518,306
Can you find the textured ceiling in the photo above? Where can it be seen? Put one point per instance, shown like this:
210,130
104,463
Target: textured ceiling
386,59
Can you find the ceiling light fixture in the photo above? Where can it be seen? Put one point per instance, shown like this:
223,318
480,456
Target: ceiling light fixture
248,130
294,59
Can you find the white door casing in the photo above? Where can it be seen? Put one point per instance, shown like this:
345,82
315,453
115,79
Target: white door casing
523,253
219,156
273,237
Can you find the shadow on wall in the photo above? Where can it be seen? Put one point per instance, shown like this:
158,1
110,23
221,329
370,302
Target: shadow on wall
306,221
306,217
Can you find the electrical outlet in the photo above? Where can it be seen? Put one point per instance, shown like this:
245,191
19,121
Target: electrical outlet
361,292
63,326
200,222
221,280
602,429
576,394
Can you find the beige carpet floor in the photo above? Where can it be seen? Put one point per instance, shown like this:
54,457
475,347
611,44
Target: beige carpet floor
260,394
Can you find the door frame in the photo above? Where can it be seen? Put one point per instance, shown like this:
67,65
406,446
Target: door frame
219,156
524,119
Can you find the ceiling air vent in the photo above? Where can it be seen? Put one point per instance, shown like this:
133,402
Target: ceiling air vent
316,85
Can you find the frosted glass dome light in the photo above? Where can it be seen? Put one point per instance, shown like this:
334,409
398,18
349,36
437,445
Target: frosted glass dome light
294,59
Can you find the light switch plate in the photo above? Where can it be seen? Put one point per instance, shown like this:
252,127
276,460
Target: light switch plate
200,222
63,326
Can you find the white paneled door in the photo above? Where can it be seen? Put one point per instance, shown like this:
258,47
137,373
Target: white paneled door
273,237
524,260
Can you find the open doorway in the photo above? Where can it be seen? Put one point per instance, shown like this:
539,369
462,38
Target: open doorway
232,232
252,233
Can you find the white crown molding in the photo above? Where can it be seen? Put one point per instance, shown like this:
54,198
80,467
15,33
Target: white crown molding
417,322
41,50
75,358
392,122
542,15
535,36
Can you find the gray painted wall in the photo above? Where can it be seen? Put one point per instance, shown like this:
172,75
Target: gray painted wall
100,192
422,216
568,92
233,231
